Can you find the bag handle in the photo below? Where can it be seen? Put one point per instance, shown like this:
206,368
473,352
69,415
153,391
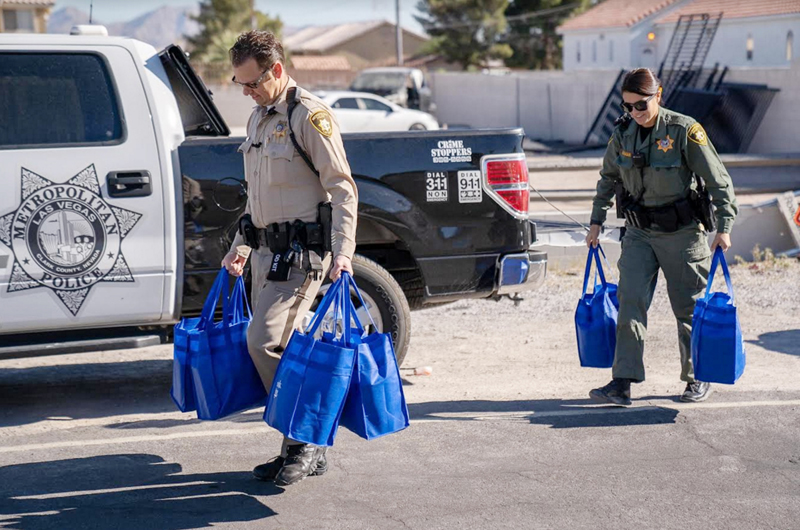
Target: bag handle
352,282
593,253
340,313
719,258
210,305
330,297
238,296
608,265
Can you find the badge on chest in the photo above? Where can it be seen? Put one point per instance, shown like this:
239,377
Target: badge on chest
280,130
665,144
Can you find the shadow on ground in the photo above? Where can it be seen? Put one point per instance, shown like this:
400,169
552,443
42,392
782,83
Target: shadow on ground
557,413
126,492
91,390
787,342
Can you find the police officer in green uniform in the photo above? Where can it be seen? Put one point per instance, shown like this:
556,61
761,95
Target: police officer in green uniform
658,163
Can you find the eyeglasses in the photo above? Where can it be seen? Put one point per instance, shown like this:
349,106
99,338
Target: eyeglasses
640,105
253,85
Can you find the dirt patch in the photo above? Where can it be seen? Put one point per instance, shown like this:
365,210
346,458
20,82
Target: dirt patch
485,350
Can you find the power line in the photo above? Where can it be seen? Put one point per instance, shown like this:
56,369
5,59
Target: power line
533,14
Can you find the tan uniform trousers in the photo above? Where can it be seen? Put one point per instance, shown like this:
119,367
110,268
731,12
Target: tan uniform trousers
278,309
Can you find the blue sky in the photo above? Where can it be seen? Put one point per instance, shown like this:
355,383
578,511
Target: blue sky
293,13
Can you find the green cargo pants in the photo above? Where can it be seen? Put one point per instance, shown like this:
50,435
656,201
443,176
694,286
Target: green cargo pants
685,258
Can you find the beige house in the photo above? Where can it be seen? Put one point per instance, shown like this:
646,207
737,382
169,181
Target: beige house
364,44
321,72
24,16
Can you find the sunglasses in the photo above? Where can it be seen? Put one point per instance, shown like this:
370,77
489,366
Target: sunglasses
640,105
253,85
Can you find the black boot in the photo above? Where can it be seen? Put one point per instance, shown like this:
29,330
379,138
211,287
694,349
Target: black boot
617,392
696,392
301,461
267,472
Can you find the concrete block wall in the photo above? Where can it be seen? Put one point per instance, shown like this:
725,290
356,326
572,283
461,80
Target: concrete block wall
557,105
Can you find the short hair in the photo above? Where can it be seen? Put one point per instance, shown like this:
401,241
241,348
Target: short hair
641,81
259,45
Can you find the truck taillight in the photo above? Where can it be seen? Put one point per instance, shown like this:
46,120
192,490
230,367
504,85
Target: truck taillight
505,178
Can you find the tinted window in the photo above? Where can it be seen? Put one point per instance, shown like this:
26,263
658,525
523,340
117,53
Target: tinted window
50,98
346,103
372,104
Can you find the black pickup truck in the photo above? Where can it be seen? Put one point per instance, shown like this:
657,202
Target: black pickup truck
112,228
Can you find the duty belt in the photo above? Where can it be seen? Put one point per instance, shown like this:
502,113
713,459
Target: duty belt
280,236
287,241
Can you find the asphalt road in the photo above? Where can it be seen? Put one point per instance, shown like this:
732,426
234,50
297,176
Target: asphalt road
502,436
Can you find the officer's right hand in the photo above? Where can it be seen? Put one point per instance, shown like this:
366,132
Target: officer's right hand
234,263
593,237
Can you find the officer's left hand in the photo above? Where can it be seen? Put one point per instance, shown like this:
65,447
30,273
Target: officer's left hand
340,264
721,240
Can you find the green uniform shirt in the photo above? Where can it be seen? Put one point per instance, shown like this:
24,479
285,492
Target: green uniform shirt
676,147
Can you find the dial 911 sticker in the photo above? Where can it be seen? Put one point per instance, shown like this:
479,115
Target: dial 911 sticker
469,187
436,186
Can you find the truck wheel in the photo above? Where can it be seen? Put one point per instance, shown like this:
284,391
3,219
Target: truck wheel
418,127
384,301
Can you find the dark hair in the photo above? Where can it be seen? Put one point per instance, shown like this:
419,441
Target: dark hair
641,81
259,45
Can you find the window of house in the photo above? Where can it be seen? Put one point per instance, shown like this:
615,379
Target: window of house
18,19
346,103
594,51
578,54
750,46
373,104
611,51
57,98
789,45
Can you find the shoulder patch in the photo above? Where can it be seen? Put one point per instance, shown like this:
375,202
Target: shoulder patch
322,122
697,134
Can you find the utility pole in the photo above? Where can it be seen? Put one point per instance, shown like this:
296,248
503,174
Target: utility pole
399,34
253,19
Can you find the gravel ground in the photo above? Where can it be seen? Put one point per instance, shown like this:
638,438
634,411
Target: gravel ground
528,351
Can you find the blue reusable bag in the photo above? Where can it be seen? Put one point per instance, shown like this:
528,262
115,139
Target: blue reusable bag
596,318
224,379
717,346
182,391
313,378
376,404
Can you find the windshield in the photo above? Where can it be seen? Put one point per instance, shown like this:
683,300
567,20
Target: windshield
371,81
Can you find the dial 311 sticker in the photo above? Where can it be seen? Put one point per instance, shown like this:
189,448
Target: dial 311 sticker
469,186
436,186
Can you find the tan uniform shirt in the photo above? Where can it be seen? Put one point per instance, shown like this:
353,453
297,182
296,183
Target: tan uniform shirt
281,187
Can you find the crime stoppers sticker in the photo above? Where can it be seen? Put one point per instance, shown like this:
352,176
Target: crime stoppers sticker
449,151
436,186
469,187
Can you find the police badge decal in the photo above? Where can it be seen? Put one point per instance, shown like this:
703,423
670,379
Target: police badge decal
66,237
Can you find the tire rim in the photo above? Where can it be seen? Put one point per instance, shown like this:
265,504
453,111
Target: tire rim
363,311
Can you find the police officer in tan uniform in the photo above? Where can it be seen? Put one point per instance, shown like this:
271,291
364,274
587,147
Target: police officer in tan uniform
292,167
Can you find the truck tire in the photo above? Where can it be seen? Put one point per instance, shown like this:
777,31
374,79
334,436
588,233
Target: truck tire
389,307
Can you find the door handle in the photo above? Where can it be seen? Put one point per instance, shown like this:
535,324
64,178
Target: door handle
129,184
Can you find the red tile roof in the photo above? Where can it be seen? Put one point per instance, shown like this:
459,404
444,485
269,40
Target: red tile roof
734,9
615,13
320,62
